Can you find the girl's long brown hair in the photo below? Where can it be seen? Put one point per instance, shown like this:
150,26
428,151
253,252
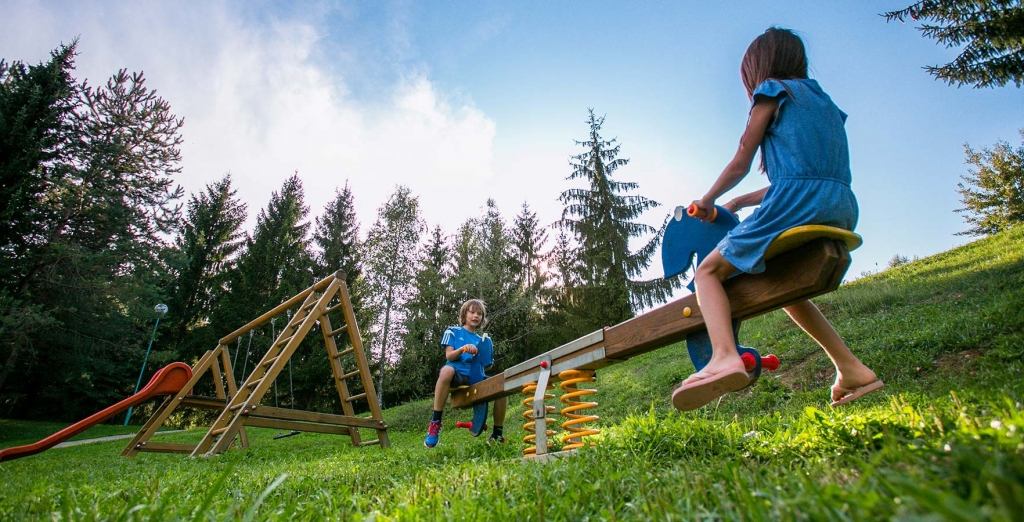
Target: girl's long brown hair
777,54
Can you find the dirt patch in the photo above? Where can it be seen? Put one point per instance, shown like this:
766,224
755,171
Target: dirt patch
800,375
951,362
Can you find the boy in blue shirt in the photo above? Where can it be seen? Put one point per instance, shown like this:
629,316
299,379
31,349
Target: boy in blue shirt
461,344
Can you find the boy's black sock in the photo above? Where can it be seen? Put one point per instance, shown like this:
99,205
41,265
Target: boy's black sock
436,416
497,432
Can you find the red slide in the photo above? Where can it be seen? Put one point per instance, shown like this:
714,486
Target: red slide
167,381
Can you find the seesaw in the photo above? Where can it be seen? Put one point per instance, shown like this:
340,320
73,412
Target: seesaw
167,381
802,263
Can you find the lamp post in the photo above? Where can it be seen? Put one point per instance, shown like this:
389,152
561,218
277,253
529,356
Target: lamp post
160,309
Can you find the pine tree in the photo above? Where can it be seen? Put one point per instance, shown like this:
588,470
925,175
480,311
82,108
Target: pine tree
36,129
208,242
337,236
993,195
430,310
528,240
390,262
990,31
93,260
600,217
37,104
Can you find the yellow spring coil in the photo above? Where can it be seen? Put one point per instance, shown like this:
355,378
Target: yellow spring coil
530,427
570,378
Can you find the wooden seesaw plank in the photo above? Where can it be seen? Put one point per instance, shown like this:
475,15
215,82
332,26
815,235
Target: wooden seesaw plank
808,271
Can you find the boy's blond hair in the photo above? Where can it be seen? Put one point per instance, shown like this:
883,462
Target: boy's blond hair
472,304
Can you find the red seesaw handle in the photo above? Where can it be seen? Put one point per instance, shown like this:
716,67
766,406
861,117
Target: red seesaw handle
696,212
769,362
467,425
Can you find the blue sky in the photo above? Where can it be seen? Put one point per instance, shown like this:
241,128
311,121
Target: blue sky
464,101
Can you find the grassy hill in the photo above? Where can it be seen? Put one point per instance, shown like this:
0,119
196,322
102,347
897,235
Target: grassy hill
944,440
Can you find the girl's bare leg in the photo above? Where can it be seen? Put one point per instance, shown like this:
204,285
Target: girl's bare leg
714,306
850,372
441,388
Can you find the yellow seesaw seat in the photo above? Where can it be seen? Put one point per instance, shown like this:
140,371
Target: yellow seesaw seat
798,236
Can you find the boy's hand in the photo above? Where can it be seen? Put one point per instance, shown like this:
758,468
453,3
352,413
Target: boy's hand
470,349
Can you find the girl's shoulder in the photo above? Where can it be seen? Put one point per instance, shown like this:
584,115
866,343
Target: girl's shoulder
774,88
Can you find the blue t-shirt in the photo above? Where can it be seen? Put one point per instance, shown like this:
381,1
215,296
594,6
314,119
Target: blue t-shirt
457,337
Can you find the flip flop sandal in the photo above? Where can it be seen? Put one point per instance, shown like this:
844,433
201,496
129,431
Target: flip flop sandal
851,394
697,394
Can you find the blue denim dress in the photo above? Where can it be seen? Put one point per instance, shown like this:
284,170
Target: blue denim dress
807,160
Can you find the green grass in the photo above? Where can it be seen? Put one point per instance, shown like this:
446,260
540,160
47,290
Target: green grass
944,440
17,432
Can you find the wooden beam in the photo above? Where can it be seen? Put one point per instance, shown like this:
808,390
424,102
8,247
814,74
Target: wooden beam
805,272
165,447
259,422
280,309
200,401
269,412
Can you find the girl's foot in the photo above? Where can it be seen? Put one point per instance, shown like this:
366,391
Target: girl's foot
850,386
711,382
714,368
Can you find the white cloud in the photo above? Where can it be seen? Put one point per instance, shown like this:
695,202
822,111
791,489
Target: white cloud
258,104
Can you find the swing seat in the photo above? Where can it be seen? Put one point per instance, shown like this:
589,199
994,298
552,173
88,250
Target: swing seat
799,236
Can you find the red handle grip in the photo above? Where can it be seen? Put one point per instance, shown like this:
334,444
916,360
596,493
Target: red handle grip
768,362
696,212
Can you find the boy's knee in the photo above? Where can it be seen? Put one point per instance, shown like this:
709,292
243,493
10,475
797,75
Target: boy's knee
447,372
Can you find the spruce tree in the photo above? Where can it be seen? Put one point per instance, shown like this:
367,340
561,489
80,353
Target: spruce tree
337,237
430,310
37,103
93,259
209,239
275,265
601,219
528,240
990,31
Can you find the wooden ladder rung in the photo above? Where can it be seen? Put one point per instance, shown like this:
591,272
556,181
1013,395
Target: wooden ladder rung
337,331
254,384
369,442
236,407
357,397
218,431
349,374
284,341
345,352
333,308
269,362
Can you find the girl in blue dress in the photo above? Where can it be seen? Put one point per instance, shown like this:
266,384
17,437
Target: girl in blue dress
805,154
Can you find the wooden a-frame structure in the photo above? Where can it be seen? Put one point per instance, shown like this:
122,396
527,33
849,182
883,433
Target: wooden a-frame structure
240,405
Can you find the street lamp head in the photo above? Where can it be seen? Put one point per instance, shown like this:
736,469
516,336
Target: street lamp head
160,309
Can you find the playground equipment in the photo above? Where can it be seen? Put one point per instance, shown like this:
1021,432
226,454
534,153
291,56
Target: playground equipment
801,263
166,381
240,406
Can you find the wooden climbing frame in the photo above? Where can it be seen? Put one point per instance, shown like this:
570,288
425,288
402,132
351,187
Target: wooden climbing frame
240,406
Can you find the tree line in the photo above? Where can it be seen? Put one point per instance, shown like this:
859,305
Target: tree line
96,233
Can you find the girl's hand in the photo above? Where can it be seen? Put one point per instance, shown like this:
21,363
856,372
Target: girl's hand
705,208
